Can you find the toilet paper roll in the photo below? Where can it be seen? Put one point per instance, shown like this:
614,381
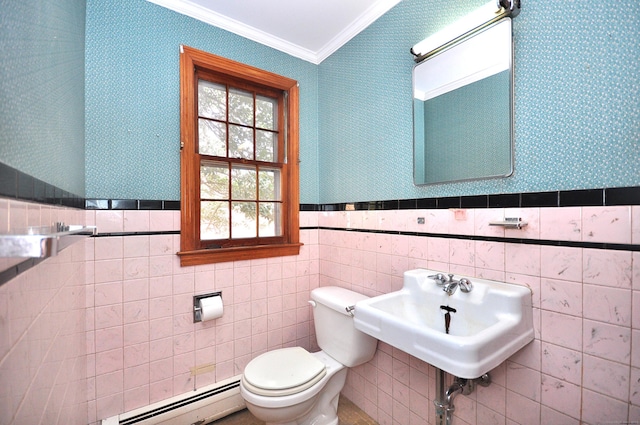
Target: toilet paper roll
211,308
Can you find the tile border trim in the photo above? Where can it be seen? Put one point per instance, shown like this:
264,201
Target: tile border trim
15,270
604,197
131,204
15,184
149,233
522,241
615,196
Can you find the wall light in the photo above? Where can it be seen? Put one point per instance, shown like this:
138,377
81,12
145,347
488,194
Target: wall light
465,27
475,58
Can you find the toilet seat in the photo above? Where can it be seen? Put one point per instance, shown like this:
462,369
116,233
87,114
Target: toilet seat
283,372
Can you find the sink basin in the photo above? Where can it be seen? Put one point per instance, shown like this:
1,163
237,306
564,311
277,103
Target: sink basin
490,323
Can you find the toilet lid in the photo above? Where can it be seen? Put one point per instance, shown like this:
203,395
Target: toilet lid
283,372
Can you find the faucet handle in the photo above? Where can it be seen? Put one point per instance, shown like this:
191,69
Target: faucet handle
440,278
465,285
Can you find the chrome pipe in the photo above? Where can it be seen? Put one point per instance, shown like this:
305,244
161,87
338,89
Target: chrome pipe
443,412
444,397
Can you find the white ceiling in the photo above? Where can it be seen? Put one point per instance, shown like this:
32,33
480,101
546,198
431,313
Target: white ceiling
308,29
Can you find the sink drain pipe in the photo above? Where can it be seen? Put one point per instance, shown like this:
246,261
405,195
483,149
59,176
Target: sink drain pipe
444,398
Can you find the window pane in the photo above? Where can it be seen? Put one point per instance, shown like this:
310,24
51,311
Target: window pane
214,220
240,107
240,142
212,138
214,180
266,113
243,216
270,219
212,100
266,146
269,181
243,183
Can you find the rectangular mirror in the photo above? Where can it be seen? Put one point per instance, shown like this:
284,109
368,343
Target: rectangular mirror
463,109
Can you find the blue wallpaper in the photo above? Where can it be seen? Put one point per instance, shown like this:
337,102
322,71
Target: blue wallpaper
42,90
132,91
577,85
577,117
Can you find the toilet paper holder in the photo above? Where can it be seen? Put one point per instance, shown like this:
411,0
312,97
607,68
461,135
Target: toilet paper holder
197,307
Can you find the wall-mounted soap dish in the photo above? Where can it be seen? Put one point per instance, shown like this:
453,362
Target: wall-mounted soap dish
510,223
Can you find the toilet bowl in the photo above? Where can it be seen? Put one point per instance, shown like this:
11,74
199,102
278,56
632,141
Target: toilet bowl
295,404
290,386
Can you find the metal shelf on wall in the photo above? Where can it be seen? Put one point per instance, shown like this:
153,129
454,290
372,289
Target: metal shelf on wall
509,223
39,243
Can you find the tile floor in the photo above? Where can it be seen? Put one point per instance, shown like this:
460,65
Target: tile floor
348,414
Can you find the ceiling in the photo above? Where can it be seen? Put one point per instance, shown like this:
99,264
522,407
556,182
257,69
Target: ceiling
308,29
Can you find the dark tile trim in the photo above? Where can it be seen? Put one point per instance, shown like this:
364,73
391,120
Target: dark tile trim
124,204
15,184
426,203
13,271
309,207
408,204
451,202
540,199
96,204
563,198
480,201
160,232
131,204
622,196
8,181
582,198
506,200
171,205
572,244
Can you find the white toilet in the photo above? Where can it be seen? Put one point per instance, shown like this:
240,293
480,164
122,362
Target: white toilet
291,386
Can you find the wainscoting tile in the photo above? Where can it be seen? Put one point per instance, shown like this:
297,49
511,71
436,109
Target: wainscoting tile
607,224
561,223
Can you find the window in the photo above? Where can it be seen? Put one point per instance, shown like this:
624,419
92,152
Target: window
239,161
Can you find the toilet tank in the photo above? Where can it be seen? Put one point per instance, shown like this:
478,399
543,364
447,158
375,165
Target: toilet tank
335,331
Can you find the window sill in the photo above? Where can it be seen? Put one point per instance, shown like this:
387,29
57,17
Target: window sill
208,256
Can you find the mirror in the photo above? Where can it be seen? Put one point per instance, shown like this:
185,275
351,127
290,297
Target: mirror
462,109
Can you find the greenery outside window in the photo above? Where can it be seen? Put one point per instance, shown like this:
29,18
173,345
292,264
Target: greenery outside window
239,161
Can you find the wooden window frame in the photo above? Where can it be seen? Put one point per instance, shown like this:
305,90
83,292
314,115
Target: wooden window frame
191,253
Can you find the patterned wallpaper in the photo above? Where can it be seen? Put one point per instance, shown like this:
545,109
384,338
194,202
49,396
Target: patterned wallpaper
577,85
132,90
577,115
41,87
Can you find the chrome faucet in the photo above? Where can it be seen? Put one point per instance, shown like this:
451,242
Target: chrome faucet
449,285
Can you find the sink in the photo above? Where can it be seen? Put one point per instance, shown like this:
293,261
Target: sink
489,324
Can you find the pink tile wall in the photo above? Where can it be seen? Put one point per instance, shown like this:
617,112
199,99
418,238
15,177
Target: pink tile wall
42,333
142,341
584,364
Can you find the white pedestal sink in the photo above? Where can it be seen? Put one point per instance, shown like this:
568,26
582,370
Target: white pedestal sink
486,325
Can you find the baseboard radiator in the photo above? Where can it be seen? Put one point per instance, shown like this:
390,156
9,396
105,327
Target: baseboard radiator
196,408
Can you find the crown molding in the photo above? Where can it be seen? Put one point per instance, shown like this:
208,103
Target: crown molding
188,8
372,14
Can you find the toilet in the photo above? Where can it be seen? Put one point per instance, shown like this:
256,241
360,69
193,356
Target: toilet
290,386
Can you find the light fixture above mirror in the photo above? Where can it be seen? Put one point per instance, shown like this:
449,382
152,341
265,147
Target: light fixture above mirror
475,21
